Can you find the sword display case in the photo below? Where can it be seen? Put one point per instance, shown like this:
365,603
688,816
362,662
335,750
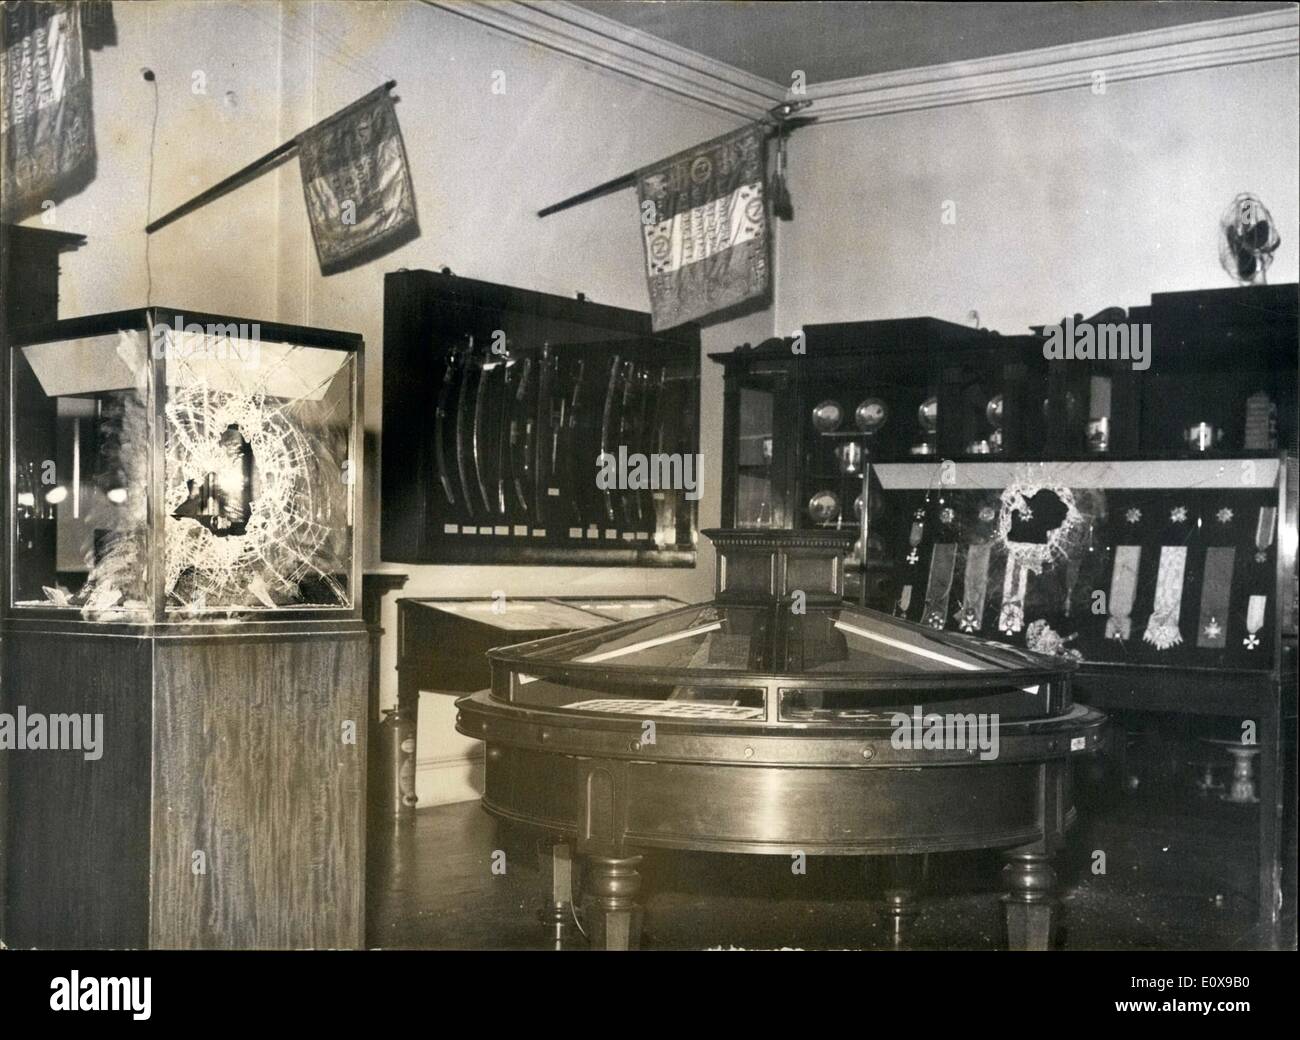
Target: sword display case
498,403
182,547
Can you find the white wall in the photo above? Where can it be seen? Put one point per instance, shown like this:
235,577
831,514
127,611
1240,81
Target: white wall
223,258
1065,202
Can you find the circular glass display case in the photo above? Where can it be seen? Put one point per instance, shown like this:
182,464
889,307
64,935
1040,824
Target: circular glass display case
780,718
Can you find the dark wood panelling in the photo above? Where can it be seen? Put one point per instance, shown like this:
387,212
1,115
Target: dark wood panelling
79,830
238,746
251,769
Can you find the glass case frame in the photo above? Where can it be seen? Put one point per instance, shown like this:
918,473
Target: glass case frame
155,610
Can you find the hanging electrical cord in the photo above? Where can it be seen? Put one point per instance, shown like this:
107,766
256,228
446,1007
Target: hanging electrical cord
152,80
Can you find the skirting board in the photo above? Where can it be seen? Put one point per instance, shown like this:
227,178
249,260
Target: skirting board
449,767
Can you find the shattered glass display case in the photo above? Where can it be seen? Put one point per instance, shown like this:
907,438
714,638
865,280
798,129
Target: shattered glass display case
182,556
236,438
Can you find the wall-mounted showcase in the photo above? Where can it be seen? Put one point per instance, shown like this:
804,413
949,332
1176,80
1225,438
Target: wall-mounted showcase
182,545
498,403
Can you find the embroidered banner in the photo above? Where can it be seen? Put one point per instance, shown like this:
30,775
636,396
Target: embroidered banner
45,122
704,225
1216,590
356,182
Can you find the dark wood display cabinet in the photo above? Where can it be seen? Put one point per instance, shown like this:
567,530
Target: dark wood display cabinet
1136,516
185,662
498,403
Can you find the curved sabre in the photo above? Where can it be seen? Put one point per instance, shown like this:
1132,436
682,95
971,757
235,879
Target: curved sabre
606,417
627,497
503,442
462,455
521,442
486,368
449,378
571,423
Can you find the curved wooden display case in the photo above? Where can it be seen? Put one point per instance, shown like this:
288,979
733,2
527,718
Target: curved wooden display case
779,719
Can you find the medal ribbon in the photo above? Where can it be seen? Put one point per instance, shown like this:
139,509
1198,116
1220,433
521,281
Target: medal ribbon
1216,590
942,563
1264,528
1254,621
975,585
1011,618
1123,589
1162,626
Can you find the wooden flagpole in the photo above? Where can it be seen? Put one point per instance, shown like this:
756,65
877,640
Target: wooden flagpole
777,115
254,169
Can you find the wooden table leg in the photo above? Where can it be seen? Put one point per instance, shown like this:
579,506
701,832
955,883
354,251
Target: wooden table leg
555,859
1030,899
613,911
904,880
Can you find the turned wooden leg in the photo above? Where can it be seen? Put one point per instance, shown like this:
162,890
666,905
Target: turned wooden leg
904,880
1030,899
613,911
555,860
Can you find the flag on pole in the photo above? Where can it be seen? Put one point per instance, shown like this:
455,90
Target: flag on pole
356,182
45,122
704,222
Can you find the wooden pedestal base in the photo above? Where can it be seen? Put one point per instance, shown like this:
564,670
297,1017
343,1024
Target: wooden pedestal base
226,808
904,882
613,911
1030,900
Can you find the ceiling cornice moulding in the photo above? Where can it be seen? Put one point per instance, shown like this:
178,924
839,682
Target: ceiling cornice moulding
1222,41
611,45
604,42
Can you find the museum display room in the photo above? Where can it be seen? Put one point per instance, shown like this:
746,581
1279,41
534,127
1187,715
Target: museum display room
535,476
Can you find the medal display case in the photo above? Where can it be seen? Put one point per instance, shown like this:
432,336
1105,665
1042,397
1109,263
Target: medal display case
1138,521
768,721
182,553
